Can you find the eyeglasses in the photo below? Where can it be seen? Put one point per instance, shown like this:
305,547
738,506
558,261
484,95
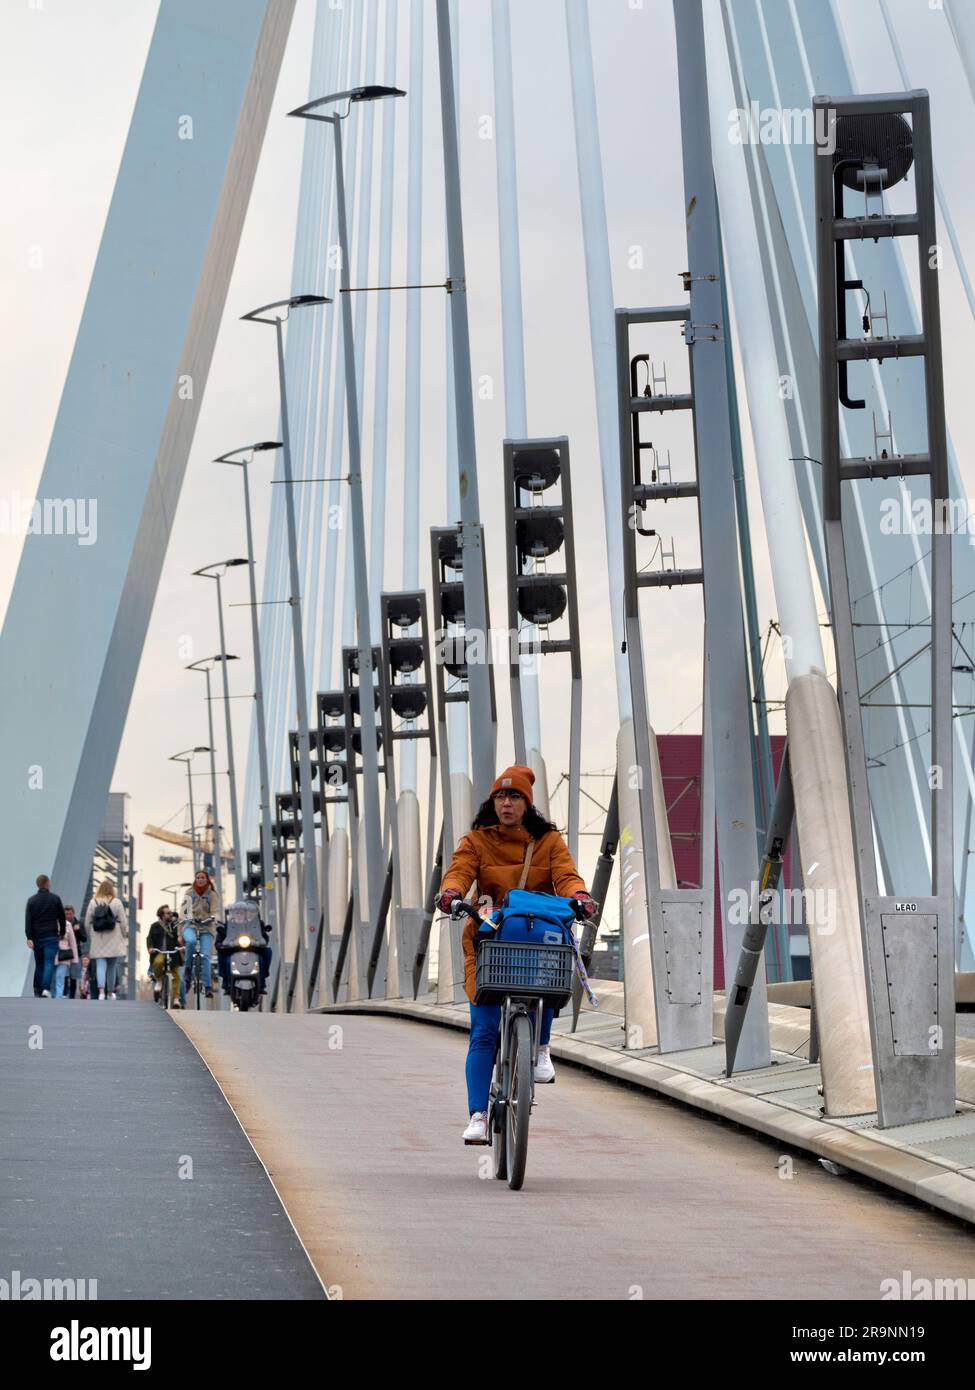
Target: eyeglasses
508,796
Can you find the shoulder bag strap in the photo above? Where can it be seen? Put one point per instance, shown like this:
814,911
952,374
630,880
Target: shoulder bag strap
530,850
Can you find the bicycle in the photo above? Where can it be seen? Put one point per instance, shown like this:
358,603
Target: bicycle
199,925
524,978
164,987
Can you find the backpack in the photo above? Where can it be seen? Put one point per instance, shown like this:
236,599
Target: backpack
525,916
104,917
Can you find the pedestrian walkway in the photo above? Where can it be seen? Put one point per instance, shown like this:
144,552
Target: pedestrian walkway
933,1161
121,1163
626,1196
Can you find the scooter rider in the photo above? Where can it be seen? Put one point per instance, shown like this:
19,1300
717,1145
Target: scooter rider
250,917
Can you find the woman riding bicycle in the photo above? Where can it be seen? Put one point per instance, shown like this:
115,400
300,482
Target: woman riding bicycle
200,904
510,845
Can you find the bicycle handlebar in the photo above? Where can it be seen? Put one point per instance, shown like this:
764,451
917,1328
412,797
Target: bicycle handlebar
459,906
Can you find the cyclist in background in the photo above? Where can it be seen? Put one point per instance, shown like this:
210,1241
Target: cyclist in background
164,936
509,845
200,902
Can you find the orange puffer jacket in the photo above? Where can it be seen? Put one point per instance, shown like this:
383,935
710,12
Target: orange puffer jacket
494,858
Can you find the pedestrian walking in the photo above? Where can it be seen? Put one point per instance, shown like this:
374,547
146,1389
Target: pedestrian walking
108,929
77,969
44,922
66,958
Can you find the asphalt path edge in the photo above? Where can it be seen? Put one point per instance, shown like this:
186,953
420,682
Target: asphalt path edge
284,1206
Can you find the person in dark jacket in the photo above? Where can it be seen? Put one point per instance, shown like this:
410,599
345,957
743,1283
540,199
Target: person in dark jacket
44,923
163,936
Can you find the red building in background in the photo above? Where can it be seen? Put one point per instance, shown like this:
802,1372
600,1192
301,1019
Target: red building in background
680,763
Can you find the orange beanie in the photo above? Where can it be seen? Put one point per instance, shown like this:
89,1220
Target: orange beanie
519,779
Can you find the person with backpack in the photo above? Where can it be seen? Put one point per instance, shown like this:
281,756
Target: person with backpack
108,930
510,845
44,923
201,901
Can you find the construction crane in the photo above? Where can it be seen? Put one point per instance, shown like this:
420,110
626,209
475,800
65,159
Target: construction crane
204,839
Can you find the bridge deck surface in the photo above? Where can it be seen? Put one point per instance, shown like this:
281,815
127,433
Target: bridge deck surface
101,1122
625,1191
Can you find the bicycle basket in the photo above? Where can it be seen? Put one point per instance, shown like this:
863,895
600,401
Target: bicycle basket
536,972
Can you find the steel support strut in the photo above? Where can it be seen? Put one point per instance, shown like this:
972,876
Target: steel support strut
908,939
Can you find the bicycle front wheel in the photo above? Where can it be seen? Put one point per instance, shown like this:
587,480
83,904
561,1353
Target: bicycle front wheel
497,1116
518,1109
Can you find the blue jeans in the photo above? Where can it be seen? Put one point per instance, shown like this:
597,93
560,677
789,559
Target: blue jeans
106,973
485,1026
205,948
61,969
45,955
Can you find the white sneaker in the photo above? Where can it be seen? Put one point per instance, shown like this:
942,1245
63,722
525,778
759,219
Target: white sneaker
45,994
113,995
101,994
544,1070
476,1131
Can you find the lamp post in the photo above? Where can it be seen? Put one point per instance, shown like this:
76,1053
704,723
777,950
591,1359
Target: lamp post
310,875
187,757
175,889
482,723
206,665
375,863
267,839
216,572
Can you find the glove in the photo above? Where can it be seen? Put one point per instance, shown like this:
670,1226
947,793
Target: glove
585,901
445,899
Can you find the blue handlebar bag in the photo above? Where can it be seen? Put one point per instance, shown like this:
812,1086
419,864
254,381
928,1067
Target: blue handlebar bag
539,918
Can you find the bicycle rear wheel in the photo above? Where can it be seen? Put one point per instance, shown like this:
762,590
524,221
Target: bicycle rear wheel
164,992
518,1109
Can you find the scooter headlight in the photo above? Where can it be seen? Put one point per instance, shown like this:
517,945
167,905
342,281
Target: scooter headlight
243,941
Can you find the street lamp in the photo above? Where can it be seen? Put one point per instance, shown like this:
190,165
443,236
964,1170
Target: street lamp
375,862
206,666
186,757
267,313
217,572
267,841
175,889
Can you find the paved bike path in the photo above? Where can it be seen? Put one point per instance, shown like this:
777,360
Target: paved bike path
626,1195
107,1110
